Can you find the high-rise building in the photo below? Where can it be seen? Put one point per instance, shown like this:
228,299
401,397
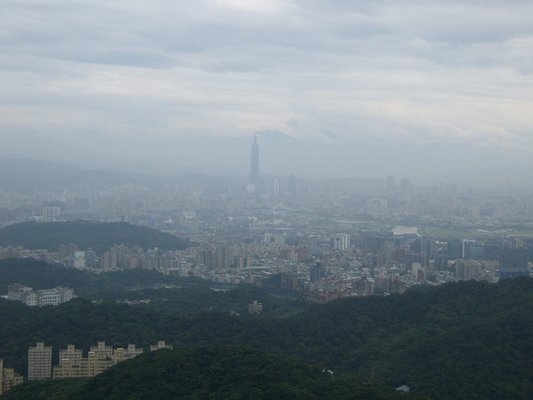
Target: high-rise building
39,362
275,188
50,213
71,353
254,167
317,271
121,354
473,250
341,241
100,358
468,269
513,263
71,363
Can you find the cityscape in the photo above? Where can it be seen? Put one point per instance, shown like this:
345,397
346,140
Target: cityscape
327,244
257,200
325,240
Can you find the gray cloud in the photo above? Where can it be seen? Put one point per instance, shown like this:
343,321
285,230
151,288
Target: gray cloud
409,72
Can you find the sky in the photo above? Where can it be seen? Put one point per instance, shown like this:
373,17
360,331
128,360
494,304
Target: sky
127,80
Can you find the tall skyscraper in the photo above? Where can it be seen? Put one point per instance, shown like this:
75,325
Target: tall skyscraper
254,167
39,362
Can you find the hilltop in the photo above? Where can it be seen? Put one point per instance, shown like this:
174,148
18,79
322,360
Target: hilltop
98,236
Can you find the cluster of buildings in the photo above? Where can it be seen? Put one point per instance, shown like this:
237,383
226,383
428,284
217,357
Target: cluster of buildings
322,265
71,362
41,297
329,238
8,378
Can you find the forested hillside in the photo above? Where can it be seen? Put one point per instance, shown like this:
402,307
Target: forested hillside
97,236
179,295
457,341
225,373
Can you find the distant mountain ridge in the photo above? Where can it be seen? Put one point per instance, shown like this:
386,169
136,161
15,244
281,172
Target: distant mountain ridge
27,175
344,156
30,175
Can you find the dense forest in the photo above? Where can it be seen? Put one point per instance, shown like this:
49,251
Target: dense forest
156,290
87,235
462,340
225,373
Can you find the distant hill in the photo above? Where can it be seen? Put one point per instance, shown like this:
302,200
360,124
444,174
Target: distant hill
97,236
27,175
40,275
225,373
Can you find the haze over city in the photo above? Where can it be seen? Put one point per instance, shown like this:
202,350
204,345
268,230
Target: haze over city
370,88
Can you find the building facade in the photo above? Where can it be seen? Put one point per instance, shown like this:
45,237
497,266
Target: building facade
160,345
72,364
39,362
40,298
8,378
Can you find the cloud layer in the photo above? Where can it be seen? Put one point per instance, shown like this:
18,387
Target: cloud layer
414,71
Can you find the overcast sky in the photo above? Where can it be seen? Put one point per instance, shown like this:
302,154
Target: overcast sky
412,72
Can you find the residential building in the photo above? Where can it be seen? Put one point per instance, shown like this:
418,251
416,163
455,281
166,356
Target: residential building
24,294
255,307
341,242
39,362
160,345
100,358
72,364
8,378
43,297
122,354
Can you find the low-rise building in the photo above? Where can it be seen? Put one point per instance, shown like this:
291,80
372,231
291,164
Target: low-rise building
160,345
255,307
8,378
42,297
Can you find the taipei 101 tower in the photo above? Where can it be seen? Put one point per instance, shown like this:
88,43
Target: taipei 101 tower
254,166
